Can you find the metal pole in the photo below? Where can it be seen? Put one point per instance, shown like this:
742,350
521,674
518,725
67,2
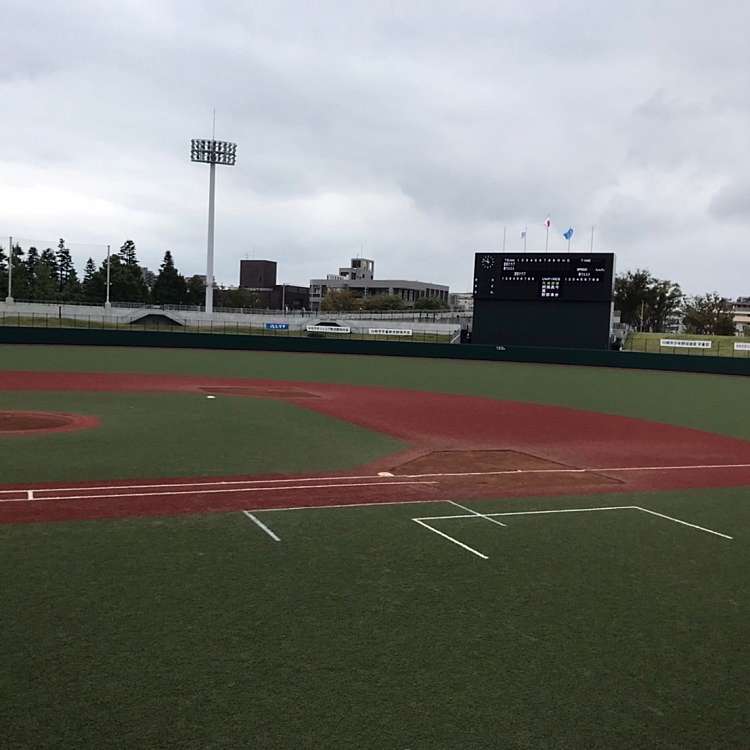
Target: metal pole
107,303
9,298
504,228
546,242
592,240
210,254
525,233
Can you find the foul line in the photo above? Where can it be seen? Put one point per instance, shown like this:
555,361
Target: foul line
262,525
450,538
209,492
383,477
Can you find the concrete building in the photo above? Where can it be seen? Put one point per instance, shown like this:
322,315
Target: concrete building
741,315
259,276
462,301
359,278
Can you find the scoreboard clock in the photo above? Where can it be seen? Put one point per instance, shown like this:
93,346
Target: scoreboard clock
554,276
544,299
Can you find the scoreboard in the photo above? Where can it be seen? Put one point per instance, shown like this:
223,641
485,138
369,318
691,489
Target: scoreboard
554,276
543,299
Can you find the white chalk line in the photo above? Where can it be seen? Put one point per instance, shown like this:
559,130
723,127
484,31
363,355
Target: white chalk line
209,492
384,478
576,510
477,513
261,525
685,523
450,538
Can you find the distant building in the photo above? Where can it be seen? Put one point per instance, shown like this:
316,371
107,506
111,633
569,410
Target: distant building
359,278
741,315
259,276
462,301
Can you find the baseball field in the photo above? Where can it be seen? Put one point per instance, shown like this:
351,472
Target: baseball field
207,549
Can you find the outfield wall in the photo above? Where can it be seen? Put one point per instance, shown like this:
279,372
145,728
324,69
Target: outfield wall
586,357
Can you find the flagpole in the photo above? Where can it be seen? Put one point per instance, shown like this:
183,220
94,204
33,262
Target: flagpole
525,232
592,239
504,230
546,241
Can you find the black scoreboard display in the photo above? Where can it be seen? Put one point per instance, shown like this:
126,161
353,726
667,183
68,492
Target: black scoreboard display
545,299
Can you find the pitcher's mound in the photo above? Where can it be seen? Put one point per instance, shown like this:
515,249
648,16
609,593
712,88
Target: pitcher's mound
36,422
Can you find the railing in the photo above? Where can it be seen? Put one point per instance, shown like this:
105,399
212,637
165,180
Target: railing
43,320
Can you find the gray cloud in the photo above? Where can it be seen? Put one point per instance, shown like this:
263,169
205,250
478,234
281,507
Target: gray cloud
416,131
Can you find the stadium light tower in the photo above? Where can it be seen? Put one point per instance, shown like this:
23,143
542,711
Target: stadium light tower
212,152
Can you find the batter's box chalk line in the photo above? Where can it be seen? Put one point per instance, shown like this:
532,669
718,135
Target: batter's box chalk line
492,517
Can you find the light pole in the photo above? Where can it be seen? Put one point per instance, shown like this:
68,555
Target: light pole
9,298
212,152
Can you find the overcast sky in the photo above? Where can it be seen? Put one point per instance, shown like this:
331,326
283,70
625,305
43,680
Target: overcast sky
415,131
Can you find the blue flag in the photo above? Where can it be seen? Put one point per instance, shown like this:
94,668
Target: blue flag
569,233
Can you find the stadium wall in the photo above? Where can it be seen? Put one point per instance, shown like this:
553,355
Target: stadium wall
586,357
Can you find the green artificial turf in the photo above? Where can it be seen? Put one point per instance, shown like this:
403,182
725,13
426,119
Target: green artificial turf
709,402
148,435
360,629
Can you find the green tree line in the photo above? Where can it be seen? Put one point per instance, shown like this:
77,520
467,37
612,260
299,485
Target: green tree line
345,300
647,303
50,275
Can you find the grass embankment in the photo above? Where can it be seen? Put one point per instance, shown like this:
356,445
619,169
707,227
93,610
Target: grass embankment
721,346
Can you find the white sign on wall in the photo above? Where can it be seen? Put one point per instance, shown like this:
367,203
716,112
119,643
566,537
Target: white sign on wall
686,343
389,331
328,329
742,346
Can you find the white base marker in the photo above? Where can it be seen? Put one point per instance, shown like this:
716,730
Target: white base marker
261,525
385,474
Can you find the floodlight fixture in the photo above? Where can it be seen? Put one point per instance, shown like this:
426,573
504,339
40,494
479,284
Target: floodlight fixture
212,152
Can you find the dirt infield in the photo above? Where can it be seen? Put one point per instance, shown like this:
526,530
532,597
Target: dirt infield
19,423
461,447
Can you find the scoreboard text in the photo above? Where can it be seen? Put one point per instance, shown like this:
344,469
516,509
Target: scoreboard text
560,277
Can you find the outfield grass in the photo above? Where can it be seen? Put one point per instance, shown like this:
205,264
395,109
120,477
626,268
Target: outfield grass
361,629
146,435
722,346
707,402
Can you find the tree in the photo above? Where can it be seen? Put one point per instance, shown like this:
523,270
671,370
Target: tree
430,303
709,314
196,291
20,279
32,271
382,302
49,259
128,255
339,301
169,287
236,298
631,295
646,302
665,300
93,286
3,274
